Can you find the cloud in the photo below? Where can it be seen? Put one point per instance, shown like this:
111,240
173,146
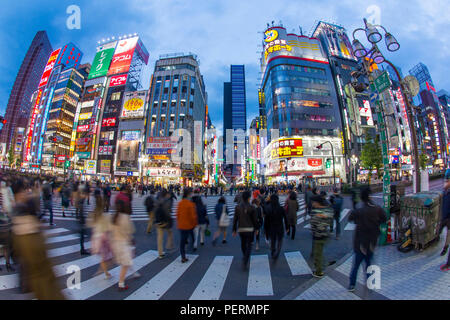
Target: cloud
221,33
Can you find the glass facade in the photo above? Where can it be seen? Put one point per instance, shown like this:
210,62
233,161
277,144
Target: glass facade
238,106
300,98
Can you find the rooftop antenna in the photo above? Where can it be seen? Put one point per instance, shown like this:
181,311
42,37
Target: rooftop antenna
268,26
273,23
281,23
301,30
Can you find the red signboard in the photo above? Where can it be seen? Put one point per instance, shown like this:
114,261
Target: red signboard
49,67
315,162
118,80
109,122
32,121
122,56
83,128
287,148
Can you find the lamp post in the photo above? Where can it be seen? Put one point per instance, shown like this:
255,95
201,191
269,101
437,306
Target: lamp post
319,147
354,160
375,56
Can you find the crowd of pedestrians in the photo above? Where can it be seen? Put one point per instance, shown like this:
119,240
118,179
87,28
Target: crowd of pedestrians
257,215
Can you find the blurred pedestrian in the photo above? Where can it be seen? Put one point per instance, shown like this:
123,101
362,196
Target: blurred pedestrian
149,206
29,246
199,231
65,198
273,225
123,230
223,220
445,222
245,222
368,219
81,195
336,201
163,222
260,217
48,201
291,212
101,234
186,220
320,227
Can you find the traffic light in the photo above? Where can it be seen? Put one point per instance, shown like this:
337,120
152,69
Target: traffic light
67,164
328,163
319,147
2,120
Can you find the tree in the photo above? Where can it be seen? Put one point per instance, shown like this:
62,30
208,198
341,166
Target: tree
371,154
11,156
423,160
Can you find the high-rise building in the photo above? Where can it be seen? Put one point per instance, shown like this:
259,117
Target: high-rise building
420,71
51,122
235,117
27,81
301,106
177,99
392,73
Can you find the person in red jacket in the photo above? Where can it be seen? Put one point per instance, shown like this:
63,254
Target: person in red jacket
186,220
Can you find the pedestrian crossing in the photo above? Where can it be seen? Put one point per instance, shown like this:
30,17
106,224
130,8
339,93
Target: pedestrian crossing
210,286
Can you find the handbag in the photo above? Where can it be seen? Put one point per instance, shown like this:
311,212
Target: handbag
224,218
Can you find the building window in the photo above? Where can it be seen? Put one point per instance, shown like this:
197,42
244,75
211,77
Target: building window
115,96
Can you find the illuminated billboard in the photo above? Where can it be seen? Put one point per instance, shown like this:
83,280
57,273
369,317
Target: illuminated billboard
119,80
102,60
335,40
109,122
122,56
366,114
286,148
277,42
133,105
32,122
49,67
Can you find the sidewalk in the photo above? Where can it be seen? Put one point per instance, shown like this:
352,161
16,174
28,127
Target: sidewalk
404,276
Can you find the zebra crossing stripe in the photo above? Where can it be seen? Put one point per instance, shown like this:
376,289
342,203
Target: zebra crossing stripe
11,281
62,238
297,263
66,250
211,286
49,232
344,214
259,278
350,226
156,287
98,283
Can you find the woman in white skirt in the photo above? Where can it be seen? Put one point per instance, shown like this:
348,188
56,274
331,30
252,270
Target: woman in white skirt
123,230
101,234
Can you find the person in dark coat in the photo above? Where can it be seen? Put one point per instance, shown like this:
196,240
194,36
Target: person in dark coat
273,224
202,221
445,222
368,219
292,208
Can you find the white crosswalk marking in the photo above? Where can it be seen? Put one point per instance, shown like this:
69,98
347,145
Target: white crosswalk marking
54,231
156,287
297,263
350,226
98,283
211,285
66,250
259,278
62,238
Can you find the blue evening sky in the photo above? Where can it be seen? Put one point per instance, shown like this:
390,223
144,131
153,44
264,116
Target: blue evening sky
220,32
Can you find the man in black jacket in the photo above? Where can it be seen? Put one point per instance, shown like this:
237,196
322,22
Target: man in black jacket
368,219
245,223
273,225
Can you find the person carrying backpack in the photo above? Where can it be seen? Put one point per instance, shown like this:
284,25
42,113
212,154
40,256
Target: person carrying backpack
149,205
336,202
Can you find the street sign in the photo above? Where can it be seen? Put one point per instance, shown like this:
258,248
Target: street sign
382,82
373,97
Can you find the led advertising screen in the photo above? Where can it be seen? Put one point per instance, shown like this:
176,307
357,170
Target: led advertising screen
131,135
140,48
102,60
122,56
335,40
133,105
49,67
287,148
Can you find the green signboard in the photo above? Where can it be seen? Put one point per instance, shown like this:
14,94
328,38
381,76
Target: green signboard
102,60
382,82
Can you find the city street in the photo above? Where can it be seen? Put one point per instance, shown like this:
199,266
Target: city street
211,273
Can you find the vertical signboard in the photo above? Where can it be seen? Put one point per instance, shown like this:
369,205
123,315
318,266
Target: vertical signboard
122,56
102,60
32,122
49,67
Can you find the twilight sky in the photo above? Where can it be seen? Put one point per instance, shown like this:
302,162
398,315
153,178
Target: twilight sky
220,32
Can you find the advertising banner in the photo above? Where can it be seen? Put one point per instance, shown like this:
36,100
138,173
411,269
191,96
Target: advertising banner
287,148
366,113
105,150
133,105
83,155
83,128
91,166
122,56
84,116
164,172
298,165
105,166
162,146
128,152
31,127
102,60
109,122
131,135
140,48
83,141
49,67
119,80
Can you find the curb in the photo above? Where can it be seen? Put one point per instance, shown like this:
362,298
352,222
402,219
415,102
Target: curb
300,289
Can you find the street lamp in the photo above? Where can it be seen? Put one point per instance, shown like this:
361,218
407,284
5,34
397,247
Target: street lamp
319,147
354,160
374,55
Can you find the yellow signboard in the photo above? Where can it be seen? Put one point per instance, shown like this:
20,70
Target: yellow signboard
271,35
84,116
